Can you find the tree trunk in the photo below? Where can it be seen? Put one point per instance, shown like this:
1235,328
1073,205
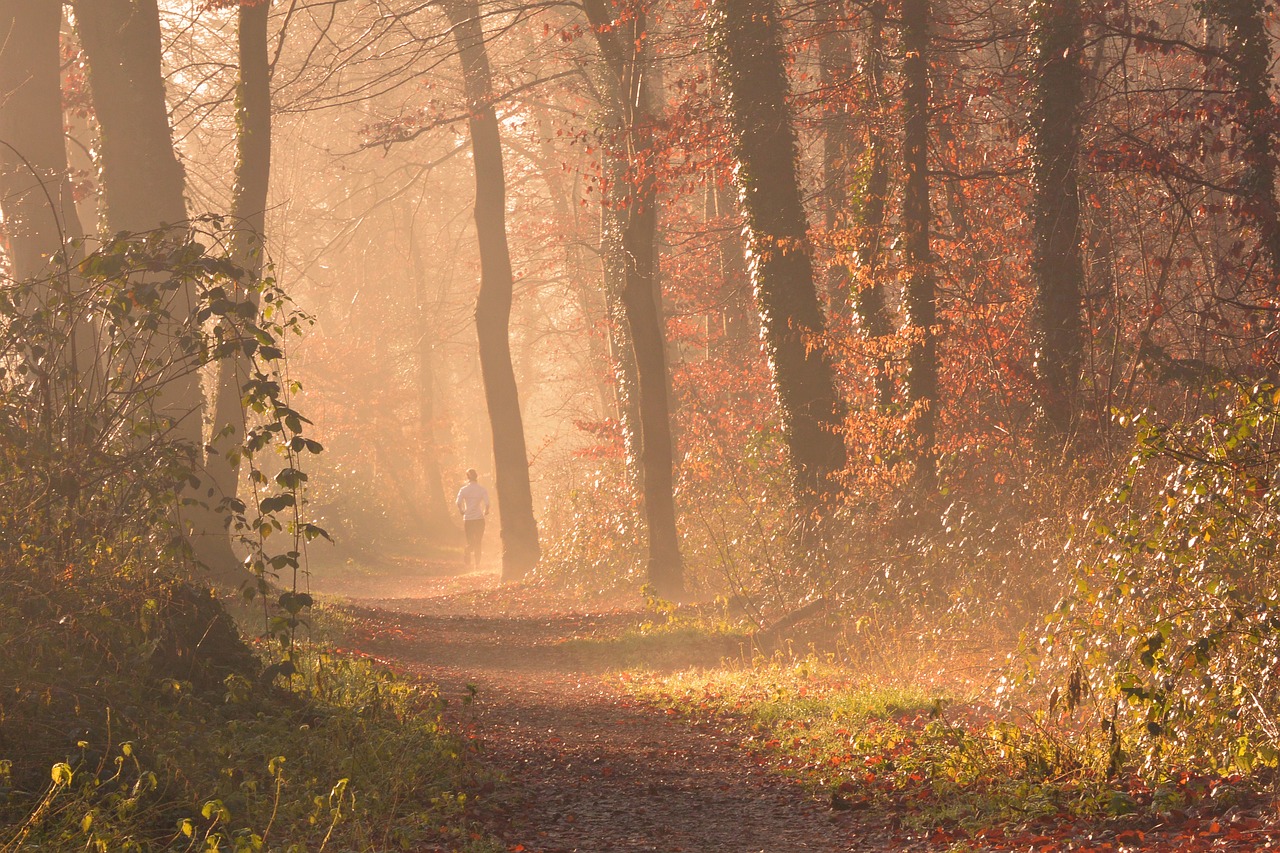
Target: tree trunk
1247,55
142,187
747,42
631,224
41,222
920,302
870,307
248,218
35,189
520,550
839,147
142,180
1056,262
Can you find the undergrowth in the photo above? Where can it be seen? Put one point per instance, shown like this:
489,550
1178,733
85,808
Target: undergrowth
134,716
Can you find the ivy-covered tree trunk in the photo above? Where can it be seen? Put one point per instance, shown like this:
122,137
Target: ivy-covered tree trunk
520,549
920,297
622,356
1057,265
747,41
631,226
869,299
248,219
1246,63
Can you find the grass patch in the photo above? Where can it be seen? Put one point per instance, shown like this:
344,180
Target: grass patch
345,755
936,760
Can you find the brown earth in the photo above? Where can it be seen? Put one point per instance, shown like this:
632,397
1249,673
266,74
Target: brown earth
588,768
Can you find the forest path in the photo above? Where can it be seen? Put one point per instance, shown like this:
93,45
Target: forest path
590,769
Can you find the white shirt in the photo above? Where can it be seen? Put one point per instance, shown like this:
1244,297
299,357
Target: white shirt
473,501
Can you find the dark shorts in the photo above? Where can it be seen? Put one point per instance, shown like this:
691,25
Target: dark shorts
475,532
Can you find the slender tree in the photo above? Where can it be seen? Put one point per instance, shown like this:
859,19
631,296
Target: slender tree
920,296
747,40
520,550
869,300
630,223
1057,265
840,152
248,219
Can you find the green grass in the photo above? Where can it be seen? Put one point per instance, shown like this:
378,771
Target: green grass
345,756
937,759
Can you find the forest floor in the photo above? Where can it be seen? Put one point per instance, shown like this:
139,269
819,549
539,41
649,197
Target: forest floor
582,764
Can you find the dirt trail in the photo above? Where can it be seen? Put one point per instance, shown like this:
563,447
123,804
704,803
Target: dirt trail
590,770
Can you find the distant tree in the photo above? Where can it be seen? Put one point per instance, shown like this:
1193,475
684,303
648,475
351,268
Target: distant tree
520,549
747,40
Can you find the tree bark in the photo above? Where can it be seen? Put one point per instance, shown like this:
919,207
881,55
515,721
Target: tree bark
747,41
142,180
920,302
1057,265
41,222
839,147
869,301
520,549
631,224
248,219
142,186
35,189
1246,62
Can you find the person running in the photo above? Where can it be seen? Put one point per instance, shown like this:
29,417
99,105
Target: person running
473,503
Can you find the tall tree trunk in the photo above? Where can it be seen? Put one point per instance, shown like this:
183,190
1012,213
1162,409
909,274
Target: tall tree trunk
35,189
839,146
520,550
747,41
142,187
631,223
920,299
40,215
142,180
622,356
1056,263
1246,62
248,218
870,307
